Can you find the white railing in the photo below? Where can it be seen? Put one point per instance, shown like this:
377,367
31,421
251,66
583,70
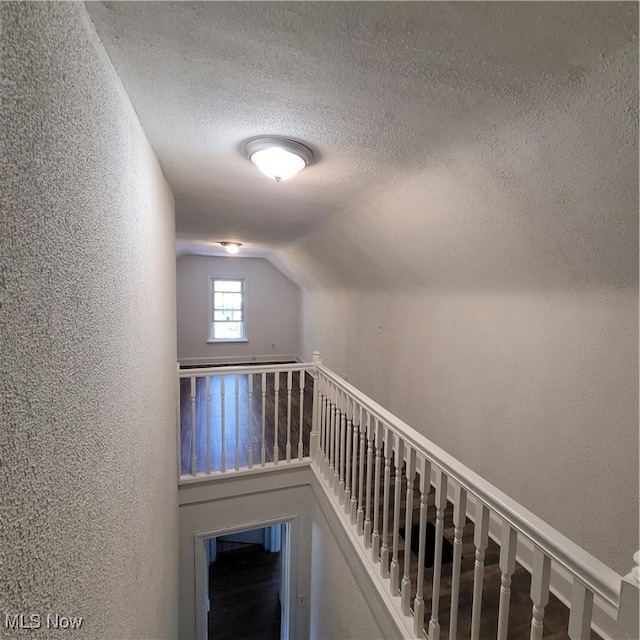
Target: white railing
371,462
237,418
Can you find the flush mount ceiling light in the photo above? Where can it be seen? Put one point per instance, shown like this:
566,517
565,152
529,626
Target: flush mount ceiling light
231,247
278,158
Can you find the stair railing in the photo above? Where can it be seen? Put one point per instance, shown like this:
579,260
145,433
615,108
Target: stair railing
372,462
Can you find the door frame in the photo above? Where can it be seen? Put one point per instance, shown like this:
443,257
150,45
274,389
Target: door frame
201,572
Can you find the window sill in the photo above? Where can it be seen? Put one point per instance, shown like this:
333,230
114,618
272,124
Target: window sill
230,341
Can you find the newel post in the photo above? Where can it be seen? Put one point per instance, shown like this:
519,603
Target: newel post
315,419
629,610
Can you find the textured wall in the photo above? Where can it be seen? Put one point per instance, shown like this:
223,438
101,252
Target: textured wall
505,276
340,611
88,506
272,309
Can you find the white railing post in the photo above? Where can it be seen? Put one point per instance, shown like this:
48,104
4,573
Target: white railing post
540,577
375,534
361,459
481,541
459,518
628,612
384,538
208,421
398,459
315,417
507,567
194,458
405,591
424,471
441,504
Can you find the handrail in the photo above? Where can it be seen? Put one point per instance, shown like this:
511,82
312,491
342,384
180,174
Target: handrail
242,369
594,574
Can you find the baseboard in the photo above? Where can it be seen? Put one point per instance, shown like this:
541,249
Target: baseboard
218,361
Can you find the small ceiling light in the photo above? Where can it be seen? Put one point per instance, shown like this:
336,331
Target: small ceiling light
278,158
231,247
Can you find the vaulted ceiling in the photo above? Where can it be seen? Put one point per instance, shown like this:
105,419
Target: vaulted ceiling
456,144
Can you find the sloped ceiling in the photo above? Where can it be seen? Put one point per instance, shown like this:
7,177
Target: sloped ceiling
456,144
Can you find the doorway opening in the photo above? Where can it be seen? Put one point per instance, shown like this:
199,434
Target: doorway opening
248,583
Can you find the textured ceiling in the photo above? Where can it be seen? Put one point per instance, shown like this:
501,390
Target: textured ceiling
456,144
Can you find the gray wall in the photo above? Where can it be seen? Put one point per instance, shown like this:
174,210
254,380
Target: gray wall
272,308
88,504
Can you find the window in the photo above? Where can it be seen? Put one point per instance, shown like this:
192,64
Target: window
226,310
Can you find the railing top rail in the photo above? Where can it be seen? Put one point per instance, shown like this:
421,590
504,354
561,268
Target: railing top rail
596,575
242,369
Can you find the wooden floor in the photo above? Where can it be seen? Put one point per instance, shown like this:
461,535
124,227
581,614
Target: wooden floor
244,594
242,441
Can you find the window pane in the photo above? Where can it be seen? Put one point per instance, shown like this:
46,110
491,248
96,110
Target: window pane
227,285
237,316
227,330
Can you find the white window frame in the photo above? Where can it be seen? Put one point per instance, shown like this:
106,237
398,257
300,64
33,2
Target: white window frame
211,279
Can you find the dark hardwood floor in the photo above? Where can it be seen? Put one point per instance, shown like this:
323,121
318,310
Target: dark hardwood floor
244,594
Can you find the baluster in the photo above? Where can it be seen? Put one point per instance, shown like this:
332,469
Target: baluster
405,591
288,449
375,536
223,442
441,504
324,443
480,540
208,421
384,550
358,473
581,610
341,452
507,567
540,576
237,390
263,449
347,457
276,416
250,419
459,517
194,457
360,509
397,465
367,508
302,376
332,437
424,470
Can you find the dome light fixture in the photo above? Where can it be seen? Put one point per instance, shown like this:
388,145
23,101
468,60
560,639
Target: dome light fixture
231,247
278,158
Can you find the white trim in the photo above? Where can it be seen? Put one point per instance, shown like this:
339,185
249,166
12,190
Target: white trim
211,277
200,576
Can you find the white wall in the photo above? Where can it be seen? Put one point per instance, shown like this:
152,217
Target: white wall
88,498
340,610
272,308
252,501
504,272
536,392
